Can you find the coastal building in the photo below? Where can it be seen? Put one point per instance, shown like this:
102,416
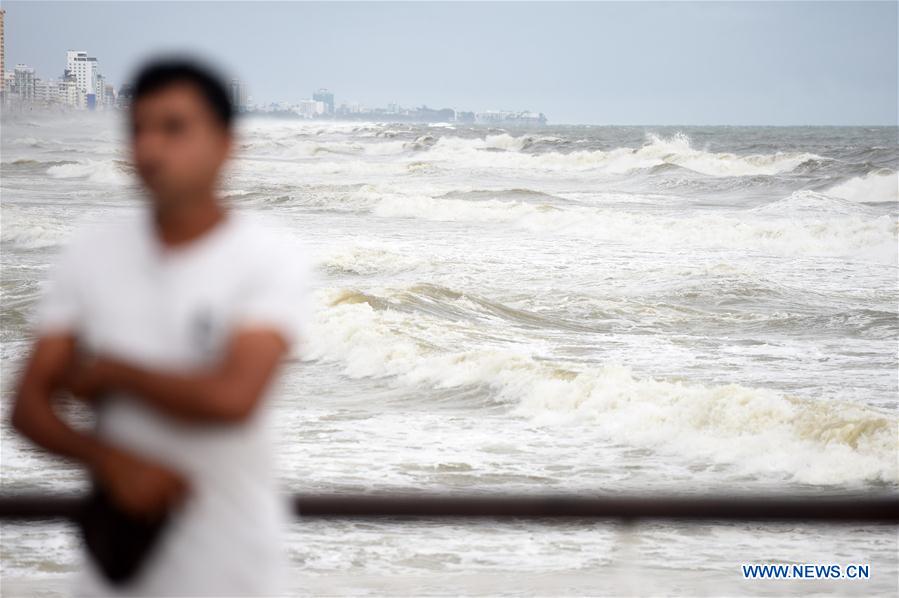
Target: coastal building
238,90
2,56
347,108
109,95
68,94
502,117
24,83
327,98
100,91
86,71
82,86
44,91
311,108
123,99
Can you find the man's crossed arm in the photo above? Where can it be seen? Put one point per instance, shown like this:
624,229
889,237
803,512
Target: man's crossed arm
228,393
225,393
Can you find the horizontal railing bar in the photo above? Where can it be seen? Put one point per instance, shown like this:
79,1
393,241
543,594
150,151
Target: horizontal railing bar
869,508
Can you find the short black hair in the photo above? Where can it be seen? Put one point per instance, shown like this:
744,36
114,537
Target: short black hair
161,73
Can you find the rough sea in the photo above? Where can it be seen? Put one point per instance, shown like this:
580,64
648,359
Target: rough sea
585,309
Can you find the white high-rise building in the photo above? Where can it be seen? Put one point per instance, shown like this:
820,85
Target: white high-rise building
109,95
311,108
2,55
44,91
24,82
238,91
86,71
100,90
68,93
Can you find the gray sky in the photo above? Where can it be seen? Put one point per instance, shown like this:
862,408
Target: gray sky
735,63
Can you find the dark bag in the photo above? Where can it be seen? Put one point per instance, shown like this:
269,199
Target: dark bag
117,541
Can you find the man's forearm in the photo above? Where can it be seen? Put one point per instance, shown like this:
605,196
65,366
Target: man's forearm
226,393
34,416
200,396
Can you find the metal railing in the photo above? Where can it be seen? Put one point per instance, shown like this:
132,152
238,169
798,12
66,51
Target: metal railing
874,509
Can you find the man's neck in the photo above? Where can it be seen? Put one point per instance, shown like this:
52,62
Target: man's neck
189,220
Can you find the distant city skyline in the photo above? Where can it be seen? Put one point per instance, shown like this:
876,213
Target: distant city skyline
740,63
82,86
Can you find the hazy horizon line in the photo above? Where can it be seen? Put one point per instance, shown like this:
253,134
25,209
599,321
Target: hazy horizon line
7,112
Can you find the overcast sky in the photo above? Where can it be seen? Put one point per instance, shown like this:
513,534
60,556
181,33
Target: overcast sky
604,63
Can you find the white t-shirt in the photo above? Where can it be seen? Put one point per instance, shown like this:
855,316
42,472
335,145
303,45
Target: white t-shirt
124,294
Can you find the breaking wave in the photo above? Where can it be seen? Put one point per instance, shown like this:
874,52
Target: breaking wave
875,187
840,230
757,430
365,261
657,151
113,172
529,152
36,230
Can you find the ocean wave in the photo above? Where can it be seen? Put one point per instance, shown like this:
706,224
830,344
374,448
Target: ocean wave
28,142
447,303
656,151
678,150
255,171
27,164
843,233
518,192
719,303
811,202
30,230
292,148
879,186
532,153
369,260
113,172
758,430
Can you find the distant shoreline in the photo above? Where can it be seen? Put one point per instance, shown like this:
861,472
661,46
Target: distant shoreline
7,112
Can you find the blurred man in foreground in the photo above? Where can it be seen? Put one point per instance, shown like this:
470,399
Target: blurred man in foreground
173,321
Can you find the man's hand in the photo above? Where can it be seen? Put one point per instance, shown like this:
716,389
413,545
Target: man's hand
139,487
